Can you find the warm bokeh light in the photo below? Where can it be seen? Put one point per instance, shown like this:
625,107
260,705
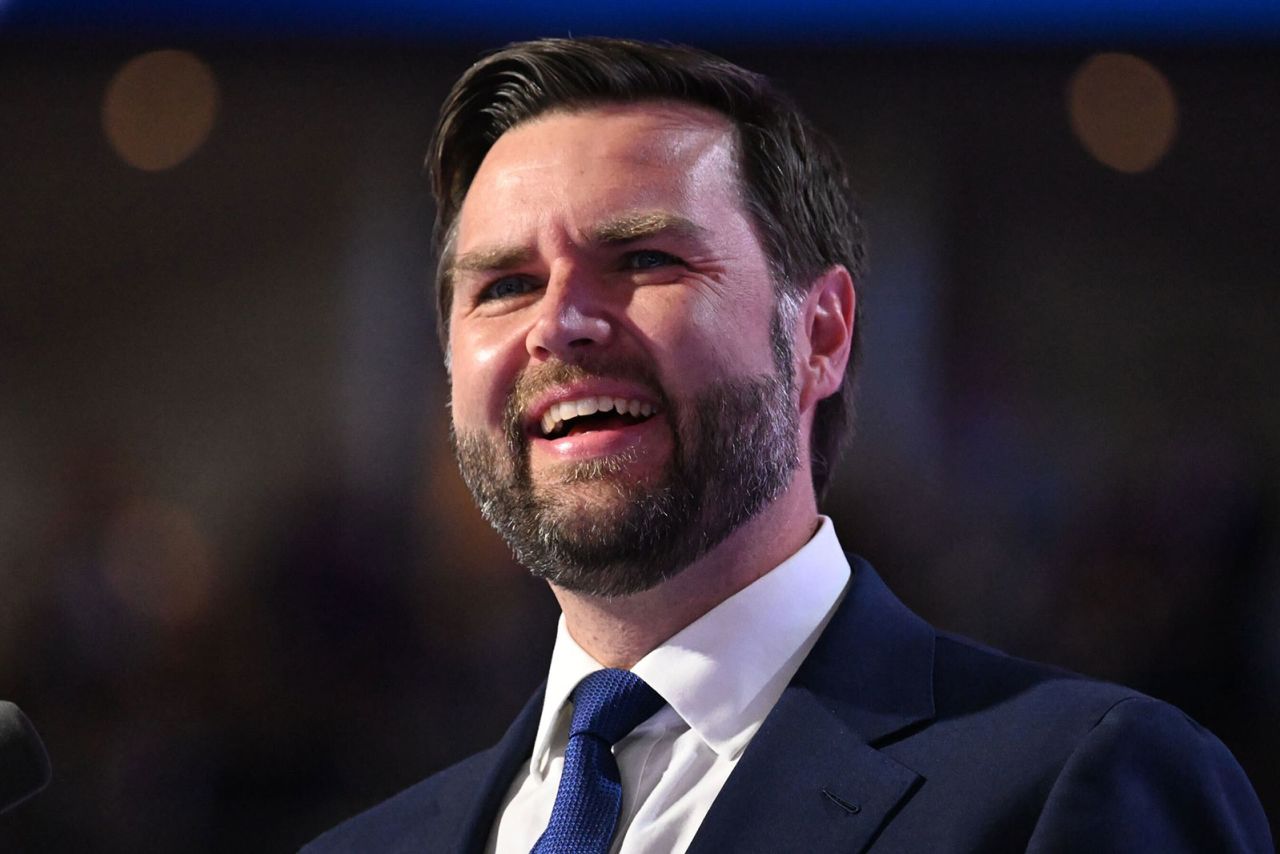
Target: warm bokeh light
159,108
1123,111
159,563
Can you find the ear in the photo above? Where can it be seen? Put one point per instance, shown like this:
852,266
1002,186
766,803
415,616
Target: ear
829,311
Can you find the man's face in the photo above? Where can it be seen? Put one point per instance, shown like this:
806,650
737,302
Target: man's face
618,405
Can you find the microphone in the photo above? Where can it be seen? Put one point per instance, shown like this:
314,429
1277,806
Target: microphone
24,764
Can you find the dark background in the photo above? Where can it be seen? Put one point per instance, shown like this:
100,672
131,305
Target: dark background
243,593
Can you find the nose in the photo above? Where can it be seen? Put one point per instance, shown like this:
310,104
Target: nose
572,318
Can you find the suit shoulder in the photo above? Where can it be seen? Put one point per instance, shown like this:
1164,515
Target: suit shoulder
1077,762
970,676
397,823
1148,777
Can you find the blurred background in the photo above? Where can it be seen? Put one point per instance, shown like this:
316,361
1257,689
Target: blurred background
243,593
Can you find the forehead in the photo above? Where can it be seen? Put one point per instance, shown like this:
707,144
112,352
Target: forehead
645,154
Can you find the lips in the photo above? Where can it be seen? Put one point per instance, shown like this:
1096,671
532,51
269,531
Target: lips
592,412
593,418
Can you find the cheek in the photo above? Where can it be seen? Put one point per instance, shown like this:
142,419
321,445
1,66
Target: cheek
718,337
483,367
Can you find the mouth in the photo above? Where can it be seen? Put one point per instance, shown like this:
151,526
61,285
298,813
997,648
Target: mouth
592,414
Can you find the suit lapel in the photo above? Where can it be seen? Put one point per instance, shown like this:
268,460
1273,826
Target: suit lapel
474,814
812,778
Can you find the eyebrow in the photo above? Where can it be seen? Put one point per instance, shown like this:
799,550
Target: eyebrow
637,226
626,228
490,258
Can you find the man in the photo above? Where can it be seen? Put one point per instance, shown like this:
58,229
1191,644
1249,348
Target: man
647,301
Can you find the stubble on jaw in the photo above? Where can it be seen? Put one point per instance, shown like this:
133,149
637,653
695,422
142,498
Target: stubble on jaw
596,530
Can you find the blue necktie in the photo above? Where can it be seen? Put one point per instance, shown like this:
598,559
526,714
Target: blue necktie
607,705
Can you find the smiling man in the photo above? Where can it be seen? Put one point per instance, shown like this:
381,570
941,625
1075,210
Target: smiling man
647,301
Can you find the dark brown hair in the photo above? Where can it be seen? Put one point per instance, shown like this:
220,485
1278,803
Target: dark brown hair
794,185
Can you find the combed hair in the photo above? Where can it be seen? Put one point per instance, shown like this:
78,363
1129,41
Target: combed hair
793,183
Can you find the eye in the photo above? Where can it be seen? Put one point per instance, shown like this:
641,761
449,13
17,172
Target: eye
649,259
506,287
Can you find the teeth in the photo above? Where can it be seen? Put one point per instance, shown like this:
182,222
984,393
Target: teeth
558,413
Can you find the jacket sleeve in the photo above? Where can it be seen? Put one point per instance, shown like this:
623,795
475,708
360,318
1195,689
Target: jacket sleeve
1148,778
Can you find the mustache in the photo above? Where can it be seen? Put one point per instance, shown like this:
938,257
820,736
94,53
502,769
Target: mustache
534,381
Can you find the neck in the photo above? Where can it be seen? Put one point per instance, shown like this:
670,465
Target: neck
618,632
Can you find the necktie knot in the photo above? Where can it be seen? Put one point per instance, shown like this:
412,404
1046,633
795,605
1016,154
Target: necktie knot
610,703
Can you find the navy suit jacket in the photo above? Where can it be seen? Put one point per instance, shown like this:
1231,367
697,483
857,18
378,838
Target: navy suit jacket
895,738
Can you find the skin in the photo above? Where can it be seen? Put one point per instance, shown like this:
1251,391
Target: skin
617,233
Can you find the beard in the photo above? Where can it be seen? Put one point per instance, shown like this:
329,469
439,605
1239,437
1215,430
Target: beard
599,530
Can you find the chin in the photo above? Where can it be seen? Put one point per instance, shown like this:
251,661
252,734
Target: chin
620,471
583,506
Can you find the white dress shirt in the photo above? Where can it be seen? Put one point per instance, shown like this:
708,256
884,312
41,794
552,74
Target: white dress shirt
720,676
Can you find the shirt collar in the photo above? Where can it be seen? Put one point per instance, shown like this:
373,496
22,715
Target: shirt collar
720,679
